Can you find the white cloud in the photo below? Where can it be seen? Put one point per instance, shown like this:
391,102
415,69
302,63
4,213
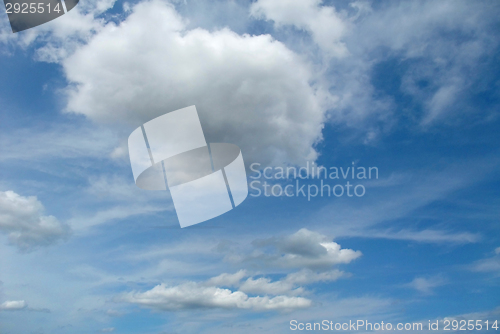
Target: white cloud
119,188
436,68
306,276
191,296
264,285
303,249
427,235
117,198
13,305
22,219
60,141
290,283
115,213
253,88
249,90
426,285
374,219
440,101
226,279
326,26
488,265
344,69
306,249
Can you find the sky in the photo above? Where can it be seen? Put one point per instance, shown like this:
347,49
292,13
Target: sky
411,89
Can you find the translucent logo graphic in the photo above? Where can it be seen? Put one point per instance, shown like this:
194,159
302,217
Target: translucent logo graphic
205,180
25,14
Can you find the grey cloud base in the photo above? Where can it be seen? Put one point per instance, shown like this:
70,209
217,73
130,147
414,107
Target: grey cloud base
22,219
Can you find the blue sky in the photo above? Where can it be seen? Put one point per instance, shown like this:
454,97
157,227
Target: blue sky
412,88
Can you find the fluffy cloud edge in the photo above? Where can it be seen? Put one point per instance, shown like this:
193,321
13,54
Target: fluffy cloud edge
23,220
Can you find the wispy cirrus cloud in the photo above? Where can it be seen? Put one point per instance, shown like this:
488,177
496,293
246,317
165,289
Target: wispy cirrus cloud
426,285
290,284
57,142
324,23
488,265
425,235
